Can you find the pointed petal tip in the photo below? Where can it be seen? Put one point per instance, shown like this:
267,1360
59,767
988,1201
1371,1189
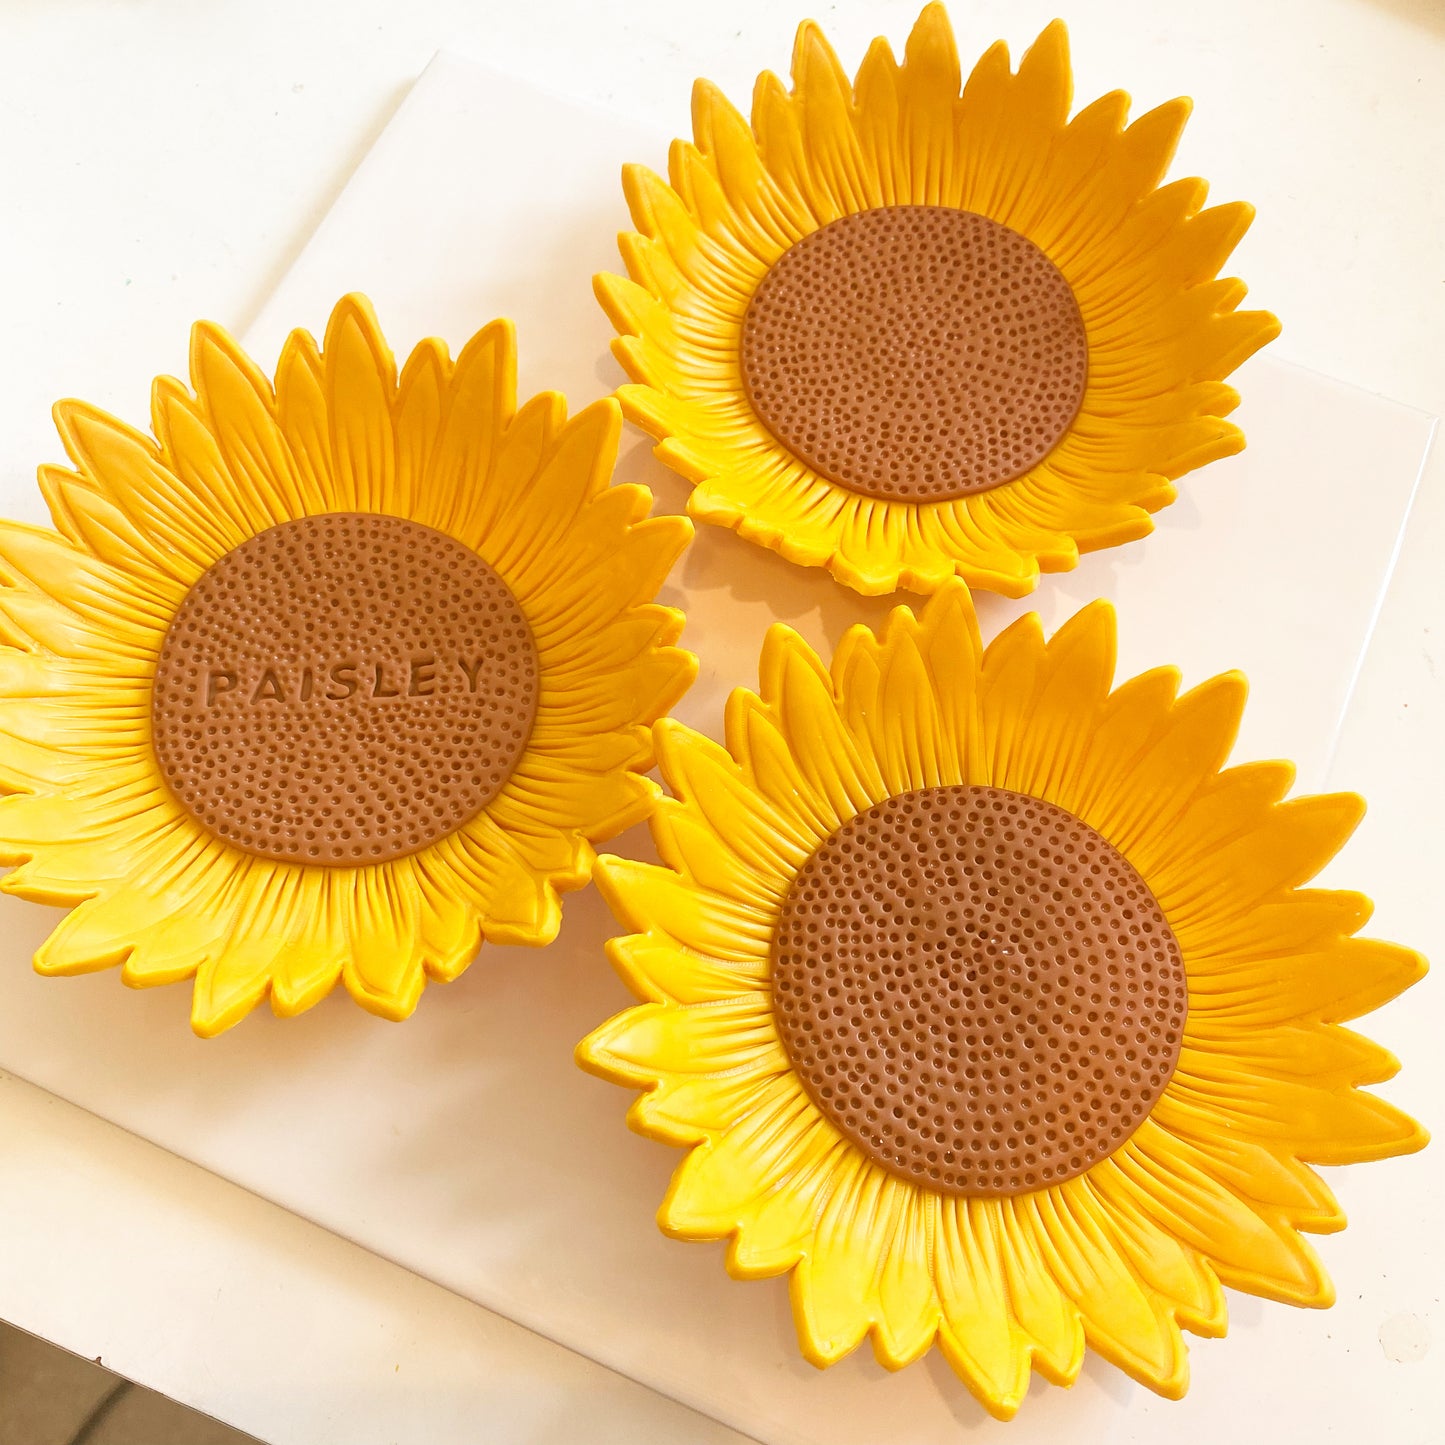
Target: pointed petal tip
932,26
590,1051
1052,43
63,414
354,308
209,338
499,334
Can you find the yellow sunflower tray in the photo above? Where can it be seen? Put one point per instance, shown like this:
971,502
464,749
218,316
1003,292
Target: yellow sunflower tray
990,1005
910,327
331,680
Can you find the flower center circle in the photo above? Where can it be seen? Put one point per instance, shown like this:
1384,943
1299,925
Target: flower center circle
344,689
977,989
915,353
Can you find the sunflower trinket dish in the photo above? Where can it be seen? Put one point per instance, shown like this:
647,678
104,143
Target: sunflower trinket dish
334,679
907,328
989,1005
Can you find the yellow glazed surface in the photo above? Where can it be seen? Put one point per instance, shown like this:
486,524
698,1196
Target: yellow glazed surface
1141,259
84,609
1213,1187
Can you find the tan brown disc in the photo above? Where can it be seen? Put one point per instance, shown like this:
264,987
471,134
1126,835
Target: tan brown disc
978,990
344,689
915,353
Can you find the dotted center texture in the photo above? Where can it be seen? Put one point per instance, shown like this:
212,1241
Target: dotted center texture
978,990
345,689
915,353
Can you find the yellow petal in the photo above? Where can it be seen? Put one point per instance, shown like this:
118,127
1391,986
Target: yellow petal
658,970
1121,1320
230,983
1043,1312
383,968
980,1336
237,416
646,898
703,776
731,1035
835,1284
1250,1248
360,379
909,1312
776,1138
1236,848
797,686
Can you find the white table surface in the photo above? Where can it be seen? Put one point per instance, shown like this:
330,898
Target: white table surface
162,162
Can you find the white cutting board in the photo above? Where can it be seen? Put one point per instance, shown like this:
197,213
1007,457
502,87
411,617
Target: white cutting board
465,1144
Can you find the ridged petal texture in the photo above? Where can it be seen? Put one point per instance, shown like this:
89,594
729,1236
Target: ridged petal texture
1213,1188
87,817
1141,258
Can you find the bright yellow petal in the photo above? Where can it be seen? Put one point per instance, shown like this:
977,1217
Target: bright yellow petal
980,1336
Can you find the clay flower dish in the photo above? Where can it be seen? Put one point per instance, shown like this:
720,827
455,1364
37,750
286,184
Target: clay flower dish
988,1003
909,331
332,680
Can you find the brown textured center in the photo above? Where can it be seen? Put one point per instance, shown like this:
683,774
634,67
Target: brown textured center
344,689
916,353
977,989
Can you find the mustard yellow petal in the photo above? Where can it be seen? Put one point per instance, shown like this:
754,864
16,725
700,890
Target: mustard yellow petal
780,1224
770,215
656,968
1149,767
716,791
1039,703
301,411
1277,1184
1343,978
1162,1259
236,429
683,1110
796,686
359,382
156,577
647,898
924,734
98,934
517,903
311,963
838,174
485,447
170,531
56,598
1238,847
755,738
1320,1118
